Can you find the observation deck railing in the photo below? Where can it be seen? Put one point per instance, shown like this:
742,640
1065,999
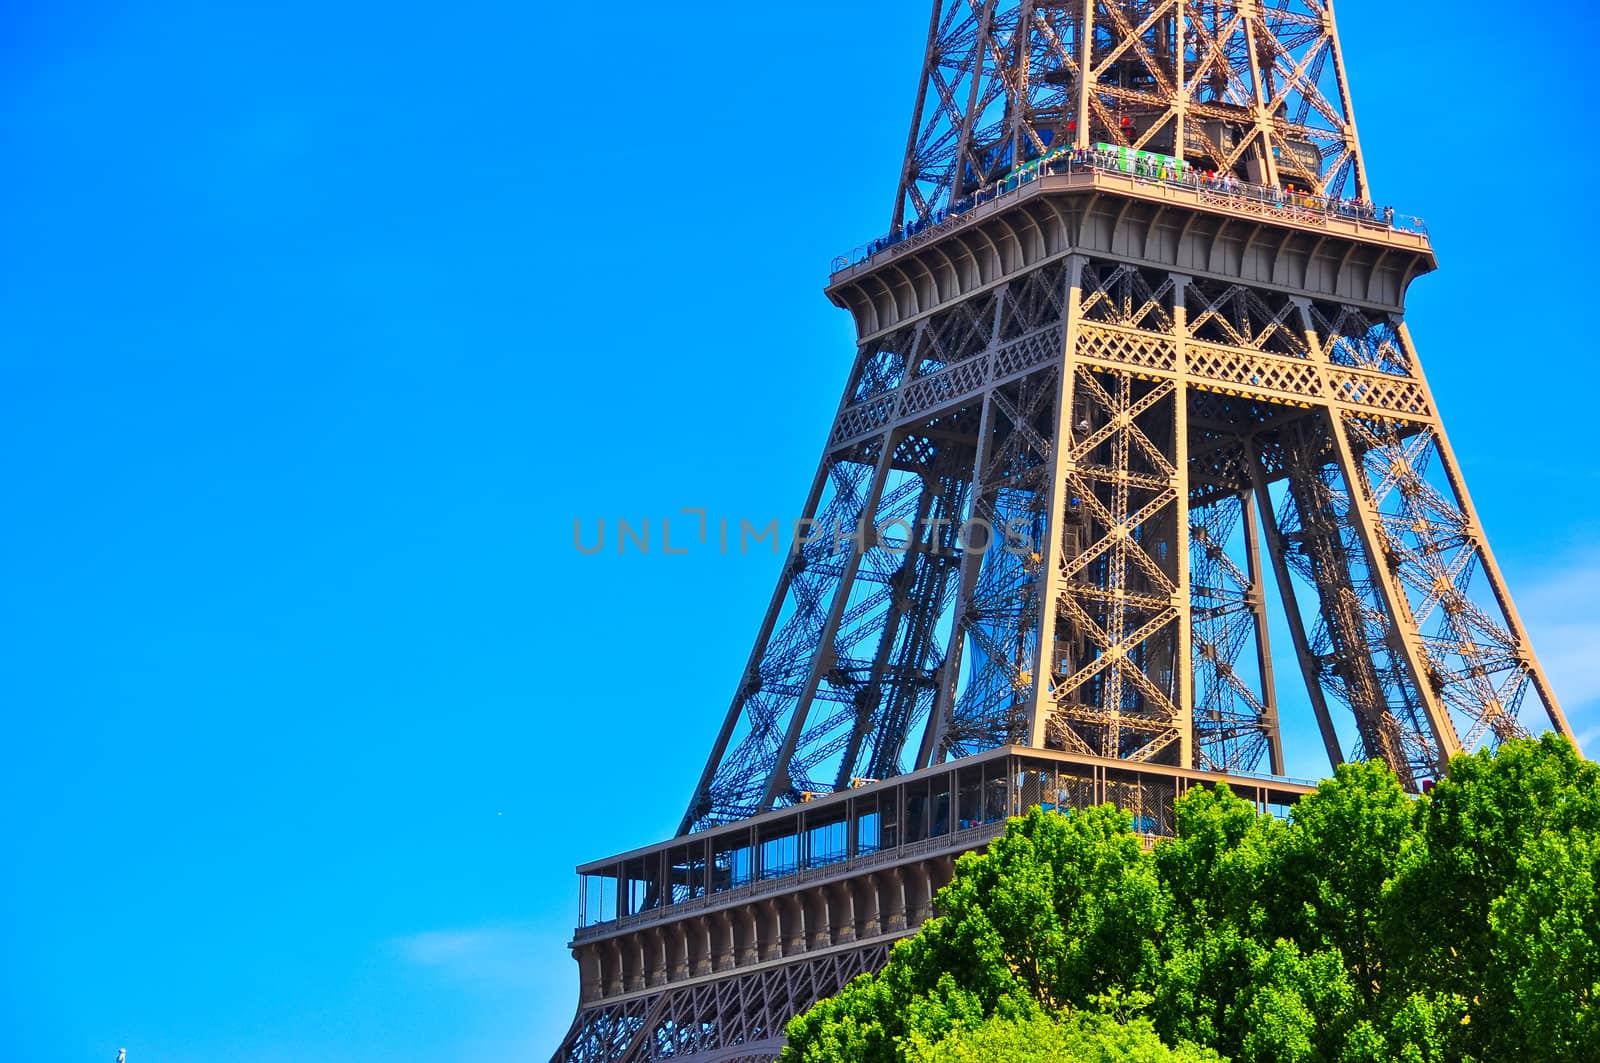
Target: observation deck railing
790,879
947,808
1292,205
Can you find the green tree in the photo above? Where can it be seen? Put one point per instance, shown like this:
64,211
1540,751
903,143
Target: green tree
1276,951
1480,840
1338,864
1080,1038
1057,911
1070,905
1547,937
1218,872
1374,926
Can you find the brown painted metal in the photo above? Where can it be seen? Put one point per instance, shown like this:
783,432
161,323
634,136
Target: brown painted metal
1114,373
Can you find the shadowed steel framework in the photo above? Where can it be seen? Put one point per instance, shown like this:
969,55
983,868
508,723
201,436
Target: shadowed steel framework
1132,369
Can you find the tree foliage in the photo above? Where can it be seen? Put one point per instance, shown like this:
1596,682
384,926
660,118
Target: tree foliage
1082,1037
1462,925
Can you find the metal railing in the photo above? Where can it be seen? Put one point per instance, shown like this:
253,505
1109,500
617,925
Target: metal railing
1290,204
1033,778
795,878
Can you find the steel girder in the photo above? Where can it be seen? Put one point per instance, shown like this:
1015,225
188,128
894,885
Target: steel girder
735,1019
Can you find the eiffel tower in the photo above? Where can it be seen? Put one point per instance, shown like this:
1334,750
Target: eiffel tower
1134,340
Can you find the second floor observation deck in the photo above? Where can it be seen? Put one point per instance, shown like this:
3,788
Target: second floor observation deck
1150,177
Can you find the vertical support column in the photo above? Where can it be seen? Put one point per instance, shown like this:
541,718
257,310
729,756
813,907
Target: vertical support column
1085,73
842,912
794,925
632,962
971,567
590,985
1277,550
852,825
816,906
919,893
655,956
1183,666
722,941
744,936
698,932
1050,581
1258,611
1021,73
611,965
678,951
770,930
892,898
868,924
1180,106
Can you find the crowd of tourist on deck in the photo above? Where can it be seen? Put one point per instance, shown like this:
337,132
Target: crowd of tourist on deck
1144,166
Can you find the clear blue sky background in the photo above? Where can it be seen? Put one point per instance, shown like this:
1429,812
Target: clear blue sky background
320,324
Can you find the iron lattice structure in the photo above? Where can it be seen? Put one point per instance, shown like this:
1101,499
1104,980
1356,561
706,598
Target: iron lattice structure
1256,86
729,1020
1132,369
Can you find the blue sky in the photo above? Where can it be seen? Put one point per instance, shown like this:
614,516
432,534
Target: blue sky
320,324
